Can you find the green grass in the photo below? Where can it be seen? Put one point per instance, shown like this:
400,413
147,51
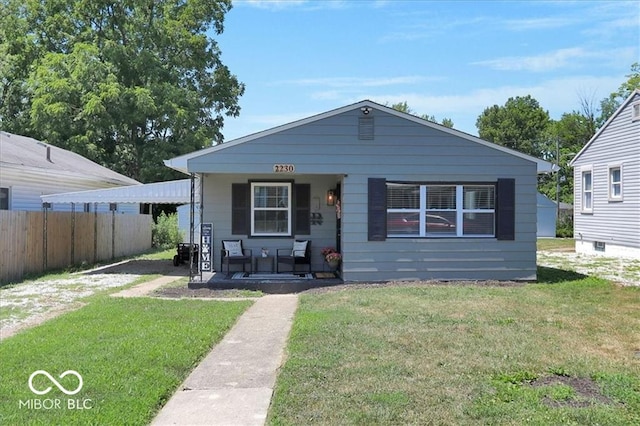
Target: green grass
131,354
463,355
556,244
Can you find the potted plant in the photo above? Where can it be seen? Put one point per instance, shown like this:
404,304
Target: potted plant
332,257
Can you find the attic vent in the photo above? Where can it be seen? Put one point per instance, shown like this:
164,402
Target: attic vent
365,128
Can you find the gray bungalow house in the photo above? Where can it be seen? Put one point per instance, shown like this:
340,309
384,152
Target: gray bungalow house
607,186
400,197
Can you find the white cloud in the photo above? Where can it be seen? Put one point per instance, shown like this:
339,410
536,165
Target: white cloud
539,23
539,63
561,58
356,82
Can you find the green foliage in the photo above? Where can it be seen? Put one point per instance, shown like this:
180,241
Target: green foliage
165,233
126,84
564,226
610,104
520,124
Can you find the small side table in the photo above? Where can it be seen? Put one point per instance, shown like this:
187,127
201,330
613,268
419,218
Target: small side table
263,264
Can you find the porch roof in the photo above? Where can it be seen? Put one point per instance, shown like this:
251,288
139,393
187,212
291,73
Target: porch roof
171,192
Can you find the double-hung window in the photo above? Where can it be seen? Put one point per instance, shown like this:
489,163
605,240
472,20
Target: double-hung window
587,190
615,183
4,198
270,208
423,210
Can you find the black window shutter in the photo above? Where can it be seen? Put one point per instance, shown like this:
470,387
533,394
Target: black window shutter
240,209
506,209
302,203
377,220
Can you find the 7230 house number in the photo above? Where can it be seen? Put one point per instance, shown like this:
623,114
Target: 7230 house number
284,168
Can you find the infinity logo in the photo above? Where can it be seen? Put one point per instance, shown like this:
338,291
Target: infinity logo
55,382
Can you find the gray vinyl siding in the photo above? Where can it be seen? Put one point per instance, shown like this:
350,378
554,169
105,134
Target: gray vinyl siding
615,222
217,210
328,151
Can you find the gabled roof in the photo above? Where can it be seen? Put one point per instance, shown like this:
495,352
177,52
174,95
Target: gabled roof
181,163
606,124
170,192
28,153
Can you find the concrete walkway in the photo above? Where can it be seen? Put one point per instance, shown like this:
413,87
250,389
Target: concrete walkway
234,383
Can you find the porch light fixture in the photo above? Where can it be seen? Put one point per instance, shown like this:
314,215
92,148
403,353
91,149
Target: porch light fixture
331,197
365,110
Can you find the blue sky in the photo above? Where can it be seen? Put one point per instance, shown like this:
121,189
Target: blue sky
444,58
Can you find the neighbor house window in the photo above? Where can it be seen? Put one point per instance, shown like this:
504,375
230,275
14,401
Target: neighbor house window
4,198
416,210
587,191
270,209
635,111
615,183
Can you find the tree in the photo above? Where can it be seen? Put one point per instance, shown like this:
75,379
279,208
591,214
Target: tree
566,137
126,84
404,107
610,104
520,124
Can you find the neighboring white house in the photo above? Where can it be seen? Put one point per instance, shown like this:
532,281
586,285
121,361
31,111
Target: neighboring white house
30,168
607,186
400,197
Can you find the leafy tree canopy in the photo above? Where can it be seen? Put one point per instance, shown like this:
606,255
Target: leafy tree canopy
126,84
610,104
520,124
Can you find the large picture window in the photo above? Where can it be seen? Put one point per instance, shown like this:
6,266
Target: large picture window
270,209
415,210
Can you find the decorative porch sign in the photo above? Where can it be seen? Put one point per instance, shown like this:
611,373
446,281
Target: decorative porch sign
206,238
284,168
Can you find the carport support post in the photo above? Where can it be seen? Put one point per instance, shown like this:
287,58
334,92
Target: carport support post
191,226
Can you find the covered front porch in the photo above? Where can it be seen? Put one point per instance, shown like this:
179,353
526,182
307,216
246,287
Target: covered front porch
271,283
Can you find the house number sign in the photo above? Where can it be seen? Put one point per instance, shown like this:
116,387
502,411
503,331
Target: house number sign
284,168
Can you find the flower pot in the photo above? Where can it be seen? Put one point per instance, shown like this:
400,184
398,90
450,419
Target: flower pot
333,264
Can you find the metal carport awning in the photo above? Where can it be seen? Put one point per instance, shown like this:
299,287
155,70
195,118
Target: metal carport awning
170,192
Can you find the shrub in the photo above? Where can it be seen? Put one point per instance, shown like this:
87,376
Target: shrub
165,231
564,226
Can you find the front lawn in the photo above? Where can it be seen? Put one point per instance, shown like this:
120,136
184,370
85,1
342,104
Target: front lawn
130,353
556,352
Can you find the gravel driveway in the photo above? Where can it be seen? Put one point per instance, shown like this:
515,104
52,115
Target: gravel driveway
32,302
621,271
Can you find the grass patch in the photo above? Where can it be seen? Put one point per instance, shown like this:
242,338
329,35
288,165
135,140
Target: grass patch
462,355
565,244
131,354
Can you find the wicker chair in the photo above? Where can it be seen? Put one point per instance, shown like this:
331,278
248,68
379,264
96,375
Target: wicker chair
294,256
233,253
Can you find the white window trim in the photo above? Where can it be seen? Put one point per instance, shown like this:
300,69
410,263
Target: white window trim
288,209
8,188
460,212
635,111
583,171
613,197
